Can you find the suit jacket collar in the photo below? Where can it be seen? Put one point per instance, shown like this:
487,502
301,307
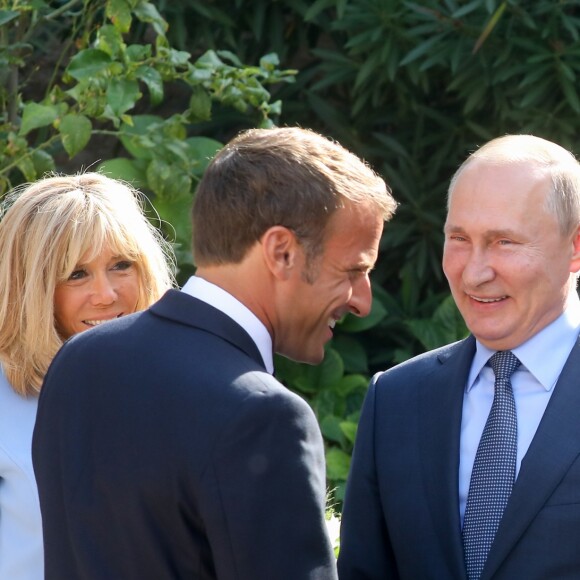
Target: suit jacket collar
441,403
185,309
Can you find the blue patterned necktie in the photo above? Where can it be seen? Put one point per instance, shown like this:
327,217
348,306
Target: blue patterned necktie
494,468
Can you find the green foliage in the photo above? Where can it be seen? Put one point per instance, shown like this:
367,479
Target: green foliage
413,87
104,75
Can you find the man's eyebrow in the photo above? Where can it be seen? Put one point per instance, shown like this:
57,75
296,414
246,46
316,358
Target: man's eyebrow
493,233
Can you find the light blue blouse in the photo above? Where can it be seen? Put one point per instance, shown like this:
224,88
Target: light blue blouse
21,553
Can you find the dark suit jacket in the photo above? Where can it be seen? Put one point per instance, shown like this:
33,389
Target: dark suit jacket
401,513
163,449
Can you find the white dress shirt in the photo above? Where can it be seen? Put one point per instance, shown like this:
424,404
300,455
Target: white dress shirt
532,383
21,554
226,303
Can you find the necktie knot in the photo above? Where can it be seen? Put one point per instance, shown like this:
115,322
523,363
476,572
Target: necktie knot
504,363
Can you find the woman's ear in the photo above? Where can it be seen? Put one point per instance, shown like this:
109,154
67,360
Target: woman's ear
279,249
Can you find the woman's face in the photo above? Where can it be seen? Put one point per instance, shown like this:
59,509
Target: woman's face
97,291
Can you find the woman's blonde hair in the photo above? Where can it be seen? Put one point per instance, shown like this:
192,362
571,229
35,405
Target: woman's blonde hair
46,228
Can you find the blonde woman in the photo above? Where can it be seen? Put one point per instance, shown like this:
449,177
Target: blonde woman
75,251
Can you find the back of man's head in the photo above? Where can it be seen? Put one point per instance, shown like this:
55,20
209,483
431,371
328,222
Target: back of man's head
289,176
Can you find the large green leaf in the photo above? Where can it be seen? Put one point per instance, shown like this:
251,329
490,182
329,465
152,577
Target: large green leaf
75,131
154,83
8,16
88,63
119,12
330,427
35,116
122,94
147,12
326,374
201,151
126,170
337,464
199,105
135,137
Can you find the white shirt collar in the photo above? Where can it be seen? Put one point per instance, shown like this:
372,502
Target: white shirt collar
558,338
228,304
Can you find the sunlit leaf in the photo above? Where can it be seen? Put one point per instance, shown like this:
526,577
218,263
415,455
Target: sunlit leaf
88,63
75,131
35,116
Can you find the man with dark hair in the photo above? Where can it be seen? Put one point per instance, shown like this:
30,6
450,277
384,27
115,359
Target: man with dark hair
164,447
466,463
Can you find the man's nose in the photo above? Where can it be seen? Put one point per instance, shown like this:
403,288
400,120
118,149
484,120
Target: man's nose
478,269
361,299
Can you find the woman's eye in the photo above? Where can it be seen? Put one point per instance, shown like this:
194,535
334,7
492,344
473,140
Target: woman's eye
123,265
77,275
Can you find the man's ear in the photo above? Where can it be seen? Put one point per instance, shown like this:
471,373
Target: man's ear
279,249
575,261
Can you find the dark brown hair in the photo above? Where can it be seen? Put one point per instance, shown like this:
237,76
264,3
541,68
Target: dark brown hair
289,176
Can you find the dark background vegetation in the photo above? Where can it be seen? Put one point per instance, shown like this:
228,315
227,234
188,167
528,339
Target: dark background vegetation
412,87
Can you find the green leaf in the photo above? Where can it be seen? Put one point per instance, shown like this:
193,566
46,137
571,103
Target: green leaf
119,13
75,131
27,168
176,211
109,40
201,151
230,57
154,83
167,180
349,429
466,9
122,94
351,383
316,8
135,137
352,352
88,63
43,162
269,61
489,27
337,464
199,105
324,375
147,12
421,49
125,169
35,116
7,16
569,90
138,52
330,427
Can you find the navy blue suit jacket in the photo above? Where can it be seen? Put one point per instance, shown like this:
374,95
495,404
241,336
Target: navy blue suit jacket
163,449
401,512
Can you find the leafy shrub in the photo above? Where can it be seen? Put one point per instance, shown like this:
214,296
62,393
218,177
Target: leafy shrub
412,87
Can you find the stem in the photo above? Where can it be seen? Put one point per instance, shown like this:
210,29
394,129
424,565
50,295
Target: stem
54,14
13,98
30,152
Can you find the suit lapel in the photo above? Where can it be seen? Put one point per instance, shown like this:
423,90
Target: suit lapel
440,412
185,309
554,447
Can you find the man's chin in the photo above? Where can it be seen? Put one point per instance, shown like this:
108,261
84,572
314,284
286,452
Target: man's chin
308,358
